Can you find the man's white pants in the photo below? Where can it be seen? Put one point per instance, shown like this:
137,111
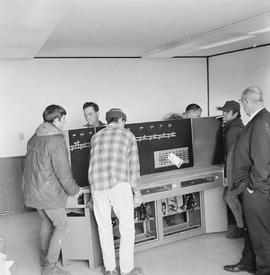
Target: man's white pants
121,199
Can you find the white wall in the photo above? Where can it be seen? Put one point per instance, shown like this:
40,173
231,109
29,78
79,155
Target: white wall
146,89
231,73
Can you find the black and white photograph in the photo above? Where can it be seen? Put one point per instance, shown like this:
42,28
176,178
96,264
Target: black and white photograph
135,137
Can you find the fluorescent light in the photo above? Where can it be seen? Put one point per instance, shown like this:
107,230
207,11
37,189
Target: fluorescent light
260,31
225,42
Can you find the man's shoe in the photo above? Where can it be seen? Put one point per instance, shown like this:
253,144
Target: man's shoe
235,233
135,271
238,268
111,272
53,269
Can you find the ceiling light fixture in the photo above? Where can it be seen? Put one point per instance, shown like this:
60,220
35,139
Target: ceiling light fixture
264,30
192,44
226,42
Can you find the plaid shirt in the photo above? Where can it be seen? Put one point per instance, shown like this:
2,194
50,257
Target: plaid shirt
114,158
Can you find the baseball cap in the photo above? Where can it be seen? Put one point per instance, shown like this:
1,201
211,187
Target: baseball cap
117,113
230,105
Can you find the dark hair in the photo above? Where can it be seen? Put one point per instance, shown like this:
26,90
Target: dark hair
193,107
52,112
114,114
174,116
91,104
112,119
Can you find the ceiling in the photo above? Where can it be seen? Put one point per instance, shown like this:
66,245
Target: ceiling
131,28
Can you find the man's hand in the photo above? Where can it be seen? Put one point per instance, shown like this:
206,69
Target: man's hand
76,196
81,191
89,204
137,199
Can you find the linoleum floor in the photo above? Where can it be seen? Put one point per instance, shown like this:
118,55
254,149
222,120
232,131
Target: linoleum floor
202,255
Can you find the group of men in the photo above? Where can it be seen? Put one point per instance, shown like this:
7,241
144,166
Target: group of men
114,177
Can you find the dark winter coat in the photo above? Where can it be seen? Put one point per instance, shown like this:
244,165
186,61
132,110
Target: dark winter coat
252,154
47,179
232,130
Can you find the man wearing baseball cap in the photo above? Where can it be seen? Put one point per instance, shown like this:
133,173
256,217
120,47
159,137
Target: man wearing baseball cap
114,176
232,127
230,105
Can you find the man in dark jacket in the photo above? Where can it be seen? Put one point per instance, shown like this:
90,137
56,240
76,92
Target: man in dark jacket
47,182
232,127
252,171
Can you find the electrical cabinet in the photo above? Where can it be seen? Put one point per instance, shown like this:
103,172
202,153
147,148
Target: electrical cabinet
145,222
82,240
174,208
178,202
181,213
160,219
182,200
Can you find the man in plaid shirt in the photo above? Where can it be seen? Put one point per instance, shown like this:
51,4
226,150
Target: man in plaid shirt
114,176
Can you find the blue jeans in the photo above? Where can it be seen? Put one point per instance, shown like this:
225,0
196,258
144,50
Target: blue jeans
54,225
